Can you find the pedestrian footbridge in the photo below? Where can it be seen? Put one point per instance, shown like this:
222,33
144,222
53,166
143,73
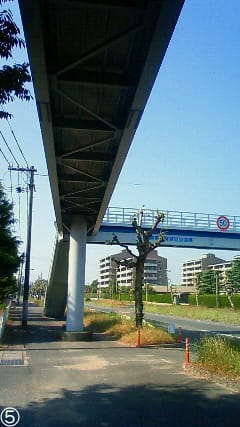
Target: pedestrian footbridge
183,229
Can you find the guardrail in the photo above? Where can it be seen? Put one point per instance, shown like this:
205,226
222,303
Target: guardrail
183,220
3,319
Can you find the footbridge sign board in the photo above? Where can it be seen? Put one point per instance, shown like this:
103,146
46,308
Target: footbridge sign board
174,238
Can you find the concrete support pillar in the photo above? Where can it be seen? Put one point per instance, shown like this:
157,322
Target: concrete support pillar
76,274
56,296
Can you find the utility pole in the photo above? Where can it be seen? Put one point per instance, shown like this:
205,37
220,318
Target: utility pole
28,249
20,279
217,289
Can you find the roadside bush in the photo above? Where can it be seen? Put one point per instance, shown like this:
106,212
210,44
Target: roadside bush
209,300
163,298
236,301
122,297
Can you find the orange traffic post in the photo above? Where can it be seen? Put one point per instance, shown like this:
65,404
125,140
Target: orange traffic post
138,338
179,340
187,351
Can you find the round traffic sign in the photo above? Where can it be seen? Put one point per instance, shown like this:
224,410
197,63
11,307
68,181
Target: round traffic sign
223,222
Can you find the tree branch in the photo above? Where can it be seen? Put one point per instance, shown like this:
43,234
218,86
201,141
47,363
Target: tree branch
125,262
155,245
116,241
159,218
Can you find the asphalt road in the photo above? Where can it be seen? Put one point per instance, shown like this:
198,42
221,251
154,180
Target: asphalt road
104,384
190,328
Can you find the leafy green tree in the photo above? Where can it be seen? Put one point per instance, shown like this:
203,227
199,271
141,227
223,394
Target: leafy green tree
94,286
207,282
145,245
232,282
12,77
38,289
233,276
9,258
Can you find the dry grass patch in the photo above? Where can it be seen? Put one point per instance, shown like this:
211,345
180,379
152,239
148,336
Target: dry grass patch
99,322
149,336
124,329
109,302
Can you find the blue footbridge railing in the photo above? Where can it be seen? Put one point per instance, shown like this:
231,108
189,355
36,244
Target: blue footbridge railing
174,219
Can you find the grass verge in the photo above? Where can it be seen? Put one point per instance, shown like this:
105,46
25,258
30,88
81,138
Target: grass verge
219,356
108,302
124,329
225,315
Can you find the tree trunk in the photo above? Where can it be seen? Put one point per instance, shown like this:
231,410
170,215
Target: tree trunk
231,302
138,292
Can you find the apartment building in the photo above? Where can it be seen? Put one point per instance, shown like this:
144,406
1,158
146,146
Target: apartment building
191,268
155,270
107,271
223,268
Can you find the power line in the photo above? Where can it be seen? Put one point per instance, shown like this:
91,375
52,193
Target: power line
14,136
9,148
4,157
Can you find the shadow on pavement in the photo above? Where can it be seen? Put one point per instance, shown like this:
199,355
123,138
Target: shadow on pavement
144,405
39,329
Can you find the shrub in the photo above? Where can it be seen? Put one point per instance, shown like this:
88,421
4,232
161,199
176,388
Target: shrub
160,298
209,300
236,301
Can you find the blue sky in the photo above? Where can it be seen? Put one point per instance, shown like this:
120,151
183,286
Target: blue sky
185,154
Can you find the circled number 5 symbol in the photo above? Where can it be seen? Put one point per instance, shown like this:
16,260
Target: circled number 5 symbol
10,417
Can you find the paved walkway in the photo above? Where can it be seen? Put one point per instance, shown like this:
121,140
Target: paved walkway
102,383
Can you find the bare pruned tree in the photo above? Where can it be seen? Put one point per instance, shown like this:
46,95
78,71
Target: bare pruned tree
144,247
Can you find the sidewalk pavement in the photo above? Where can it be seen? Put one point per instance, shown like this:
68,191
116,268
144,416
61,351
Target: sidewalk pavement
102,383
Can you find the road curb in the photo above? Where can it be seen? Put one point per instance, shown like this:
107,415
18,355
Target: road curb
231,384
